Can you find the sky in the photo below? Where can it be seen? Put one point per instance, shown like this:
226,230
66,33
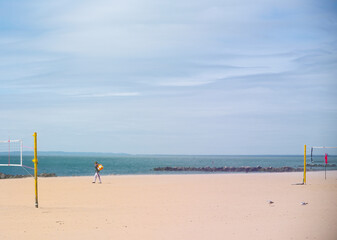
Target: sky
170,76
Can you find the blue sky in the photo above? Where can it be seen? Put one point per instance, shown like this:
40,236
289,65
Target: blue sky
169,77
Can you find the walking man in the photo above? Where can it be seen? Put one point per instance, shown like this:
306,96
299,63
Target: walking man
98,168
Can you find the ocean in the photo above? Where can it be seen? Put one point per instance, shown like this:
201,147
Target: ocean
82,164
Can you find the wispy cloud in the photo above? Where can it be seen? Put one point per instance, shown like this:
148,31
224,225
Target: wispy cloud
221,69
184,83
110,94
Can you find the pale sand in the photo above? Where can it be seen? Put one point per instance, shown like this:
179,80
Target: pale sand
220,206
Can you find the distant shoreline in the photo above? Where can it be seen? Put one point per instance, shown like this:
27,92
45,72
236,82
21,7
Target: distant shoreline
61,153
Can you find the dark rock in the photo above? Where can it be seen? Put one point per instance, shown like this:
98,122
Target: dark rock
320,165
4,176
47,175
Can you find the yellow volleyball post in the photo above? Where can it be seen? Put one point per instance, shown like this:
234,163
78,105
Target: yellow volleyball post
305,165
35,168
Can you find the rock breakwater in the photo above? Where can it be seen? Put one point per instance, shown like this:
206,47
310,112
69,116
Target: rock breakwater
5,176
230,169
321,165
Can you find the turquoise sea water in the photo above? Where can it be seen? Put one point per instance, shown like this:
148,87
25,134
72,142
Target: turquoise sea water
82,164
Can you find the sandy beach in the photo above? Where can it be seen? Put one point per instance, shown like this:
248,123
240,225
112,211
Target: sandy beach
214,206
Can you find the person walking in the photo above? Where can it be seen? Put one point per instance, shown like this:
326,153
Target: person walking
97,170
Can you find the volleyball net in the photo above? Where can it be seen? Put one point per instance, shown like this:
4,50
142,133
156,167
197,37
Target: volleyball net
11,156
319,158
323,155
11,153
